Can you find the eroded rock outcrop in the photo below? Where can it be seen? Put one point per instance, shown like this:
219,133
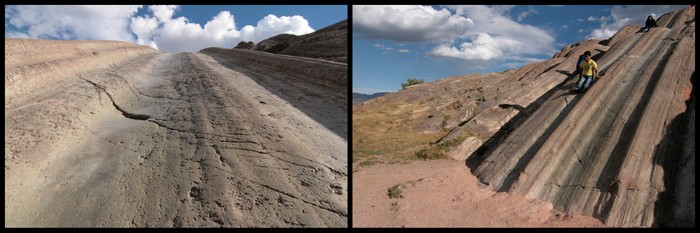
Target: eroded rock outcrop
622,152
275,44
245,45
329,43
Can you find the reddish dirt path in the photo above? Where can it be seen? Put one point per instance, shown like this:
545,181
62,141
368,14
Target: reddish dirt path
443,193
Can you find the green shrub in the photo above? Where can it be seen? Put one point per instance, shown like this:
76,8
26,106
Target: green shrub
411,82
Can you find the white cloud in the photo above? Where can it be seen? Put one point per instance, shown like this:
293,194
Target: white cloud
177,35
144,28
591,19
72,22
501,9
157,28
564,26
474,33
625,15
483,46
384,48
272,25
164,13
522,15
408,23
495,36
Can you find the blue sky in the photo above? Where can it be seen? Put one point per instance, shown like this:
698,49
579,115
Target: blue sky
169,28
394,43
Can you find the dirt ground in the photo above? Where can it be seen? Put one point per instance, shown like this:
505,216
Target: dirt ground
443,193
171,140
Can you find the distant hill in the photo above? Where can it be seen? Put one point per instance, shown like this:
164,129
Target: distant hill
359,97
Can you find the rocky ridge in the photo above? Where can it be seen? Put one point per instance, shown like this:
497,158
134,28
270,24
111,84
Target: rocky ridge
329,43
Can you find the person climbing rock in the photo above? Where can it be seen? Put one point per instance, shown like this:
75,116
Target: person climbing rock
649,24
589,70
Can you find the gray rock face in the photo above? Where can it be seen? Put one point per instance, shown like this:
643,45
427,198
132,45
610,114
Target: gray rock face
622,152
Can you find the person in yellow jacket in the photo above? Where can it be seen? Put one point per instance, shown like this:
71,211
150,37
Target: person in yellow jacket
589,70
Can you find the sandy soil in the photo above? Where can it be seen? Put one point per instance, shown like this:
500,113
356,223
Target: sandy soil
443,193
171,140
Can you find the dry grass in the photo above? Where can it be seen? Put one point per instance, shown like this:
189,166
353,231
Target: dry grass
383,134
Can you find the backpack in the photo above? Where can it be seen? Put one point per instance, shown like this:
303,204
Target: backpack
580,60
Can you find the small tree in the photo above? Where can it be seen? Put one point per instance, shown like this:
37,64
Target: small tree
411,82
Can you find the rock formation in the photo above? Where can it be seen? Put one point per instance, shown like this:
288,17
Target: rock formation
622,152
245,45
113,134
329,43
275,44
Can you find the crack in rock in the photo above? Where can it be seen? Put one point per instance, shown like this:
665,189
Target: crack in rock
125,113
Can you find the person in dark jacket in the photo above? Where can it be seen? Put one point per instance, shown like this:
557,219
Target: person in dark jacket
578,64
649,24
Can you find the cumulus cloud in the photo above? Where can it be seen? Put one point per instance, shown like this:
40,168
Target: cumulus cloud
72,22
483,46
621,16
272,25
404,51
408,23
144,27
164,13
178,34
495,36
475,33
158,28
